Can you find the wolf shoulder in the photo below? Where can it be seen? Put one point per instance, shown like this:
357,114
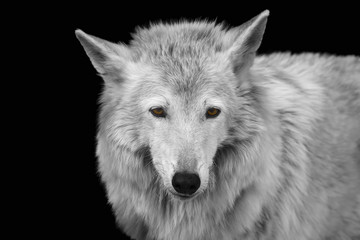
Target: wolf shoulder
334,78
323,88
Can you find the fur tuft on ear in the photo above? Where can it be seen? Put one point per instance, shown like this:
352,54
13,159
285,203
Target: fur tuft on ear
247,41
109,59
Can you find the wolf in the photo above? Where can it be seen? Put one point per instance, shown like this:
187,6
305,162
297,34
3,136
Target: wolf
201,138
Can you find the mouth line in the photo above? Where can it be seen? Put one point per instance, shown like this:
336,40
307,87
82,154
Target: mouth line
183,196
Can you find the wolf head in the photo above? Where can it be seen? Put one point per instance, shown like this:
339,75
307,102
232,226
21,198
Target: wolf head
181,90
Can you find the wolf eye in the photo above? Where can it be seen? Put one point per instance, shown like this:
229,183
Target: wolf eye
158,112
212,112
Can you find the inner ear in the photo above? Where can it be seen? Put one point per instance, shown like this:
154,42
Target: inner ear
248,40
109,59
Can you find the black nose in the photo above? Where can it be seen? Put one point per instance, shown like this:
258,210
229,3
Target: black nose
186,183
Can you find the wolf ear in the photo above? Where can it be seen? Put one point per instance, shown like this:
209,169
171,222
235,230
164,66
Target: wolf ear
247,41
109,59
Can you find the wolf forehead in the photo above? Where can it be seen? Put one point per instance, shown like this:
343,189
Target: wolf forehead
183,51
181,40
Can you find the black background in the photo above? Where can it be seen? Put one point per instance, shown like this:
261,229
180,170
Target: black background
77,205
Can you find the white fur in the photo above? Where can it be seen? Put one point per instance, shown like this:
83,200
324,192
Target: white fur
281,161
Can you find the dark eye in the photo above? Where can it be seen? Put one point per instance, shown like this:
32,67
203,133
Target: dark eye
158,112
212,112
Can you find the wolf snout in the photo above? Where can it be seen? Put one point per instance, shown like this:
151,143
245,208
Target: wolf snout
186,183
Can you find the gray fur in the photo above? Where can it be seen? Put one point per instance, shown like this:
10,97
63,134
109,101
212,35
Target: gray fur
281,161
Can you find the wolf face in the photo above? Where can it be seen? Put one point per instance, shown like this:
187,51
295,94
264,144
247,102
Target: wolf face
185,138
174,90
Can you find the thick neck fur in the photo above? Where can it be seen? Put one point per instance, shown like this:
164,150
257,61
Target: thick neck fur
168,218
